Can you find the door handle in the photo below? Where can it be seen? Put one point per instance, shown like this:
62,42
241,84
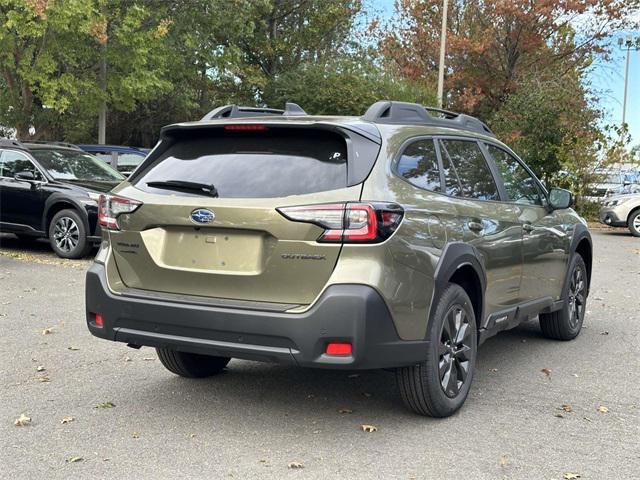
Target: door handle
527,227
475,226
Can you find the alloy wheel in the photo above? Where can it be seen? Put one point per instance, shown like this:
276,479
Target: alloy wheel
66,234
577,297
454,351
636,223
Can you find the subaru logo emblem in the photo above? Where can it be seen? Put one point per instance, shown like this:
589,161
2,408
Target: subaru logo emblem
202,215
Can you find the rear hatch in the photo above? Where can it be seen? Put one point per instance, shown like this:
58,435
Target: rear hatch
226,240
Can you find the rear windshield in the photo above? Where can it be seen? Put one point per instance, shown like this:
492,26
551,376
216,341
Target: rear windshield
252,164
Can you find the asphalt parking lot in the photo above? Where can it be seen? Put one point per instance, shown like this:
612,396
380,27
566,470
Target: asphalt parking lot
126,417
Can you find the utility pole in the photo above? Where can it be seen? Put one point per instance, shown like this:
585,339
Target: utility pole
102,115
443,43
627,44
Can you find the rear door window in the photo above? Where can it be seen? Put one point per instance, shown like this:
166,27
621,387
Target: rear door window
465,162
277,162
418,164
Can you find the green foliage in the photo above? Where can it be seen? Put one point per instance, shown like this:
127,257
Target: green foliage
344,86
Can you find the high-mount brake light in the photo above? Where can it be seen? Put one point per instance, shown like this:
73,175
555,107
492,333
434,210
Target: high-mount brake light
111,206
246,128
349,222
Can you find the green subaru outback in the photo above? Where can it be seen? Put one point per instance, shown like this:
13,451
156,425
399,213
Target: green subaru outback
400,239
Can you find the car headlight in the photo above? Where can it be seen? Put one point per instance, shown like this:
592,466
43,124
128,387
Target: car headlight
94,196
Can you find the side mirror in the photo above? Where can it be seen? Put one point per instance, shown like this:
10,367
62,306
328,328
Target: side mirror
559,198
25,176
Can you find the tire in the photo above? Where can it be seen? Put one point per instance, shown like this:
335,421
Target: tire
191,365
566,323
421,385
634,223
68,235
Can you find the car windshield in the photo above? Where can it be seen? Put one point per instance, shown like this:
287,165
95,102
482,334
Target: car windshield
75,165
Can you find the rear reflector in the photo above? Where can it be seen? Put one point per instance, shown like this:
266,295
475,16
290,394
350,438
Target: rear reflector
98,320
246,128
349,222
339,349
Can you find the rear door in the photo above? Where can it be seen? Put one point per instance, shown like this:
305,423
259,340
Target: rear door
234,244
21,203
487,223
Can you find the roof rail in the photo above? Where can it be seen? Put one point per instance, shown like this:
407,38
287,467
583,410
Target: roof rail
10,143
47,142
236,111
404,113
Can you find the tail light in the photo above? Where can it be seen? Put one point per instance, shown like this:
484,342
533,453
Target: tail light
349,222
111,206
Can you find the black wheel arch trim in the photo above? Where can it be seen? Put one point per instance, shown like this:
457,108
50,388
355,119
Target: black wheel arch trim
57,199
580,233
456,255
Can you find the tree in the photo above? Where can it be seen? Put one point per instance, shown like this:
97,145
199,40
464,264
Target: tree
50,54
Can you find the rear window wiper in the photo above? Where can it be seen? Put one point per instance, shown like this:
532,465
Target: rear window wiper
204,188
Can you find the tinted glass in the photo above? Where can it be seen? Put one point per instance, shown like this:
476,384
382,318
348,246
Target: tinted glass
452,183
472,169
520,186
75,165
247,164
129,160
419,165
15,162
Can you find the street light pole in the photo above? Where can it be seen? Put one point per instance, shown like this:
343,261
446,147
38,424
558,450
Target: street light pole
443,42
627,44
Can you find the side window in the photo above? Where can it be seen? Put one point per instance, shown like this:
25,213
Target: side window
129,161
15,162
470,167
520,186
418,164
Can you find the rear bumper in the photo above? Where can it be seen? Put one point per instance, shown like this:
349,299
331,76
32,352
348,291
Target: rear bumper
344,313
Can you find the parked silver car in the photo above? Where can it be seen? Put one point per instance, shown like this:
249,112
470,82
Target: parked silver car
622,211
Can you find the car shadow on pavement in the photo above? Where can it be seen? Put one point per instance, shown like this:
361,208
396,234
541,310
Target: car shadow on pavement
258,389
38,247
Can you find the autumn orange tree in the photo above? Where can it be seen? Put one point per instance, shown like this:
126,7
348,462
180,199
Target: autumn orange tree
520,66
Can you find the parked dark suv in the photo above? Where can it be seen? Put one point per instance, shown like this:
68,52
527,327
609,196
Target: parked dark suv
52,190
400,239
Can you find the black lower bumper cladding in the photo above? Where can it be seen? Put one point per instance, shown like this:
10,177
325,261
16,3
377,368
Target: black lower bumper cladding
344,313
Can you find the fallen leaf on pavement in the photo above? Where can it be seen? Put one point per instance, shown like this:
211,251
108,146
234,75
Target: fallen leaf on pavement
47,331
547,372
44,379
559,415
295,465
127,359
504,461
66,420
73,348
40,368
74,459
567,408
345,410
135,435
603,409
22,420
571,476
148,358
369,428
105,405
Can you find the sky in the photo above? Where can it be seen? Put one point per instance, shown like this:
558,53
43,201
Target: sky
606,78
